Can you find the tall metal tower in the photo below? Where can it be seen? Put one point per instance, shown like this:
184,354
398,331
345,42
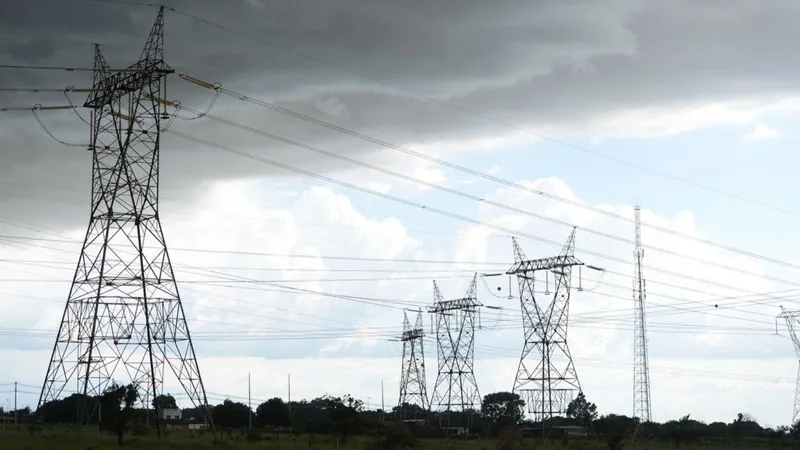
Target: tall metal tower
641,364
456,388
792,321
123,316
546,378
412,377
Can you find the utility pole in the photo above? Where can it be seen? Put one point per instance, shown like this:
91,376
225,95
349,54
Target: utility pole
792,319
413,389
641,364
456,388
546,377
124,309
15,403
383,405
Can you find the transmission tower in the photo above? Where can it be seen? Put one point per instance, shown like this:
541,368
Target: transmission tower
456,388
412,378
124,316
546,378
641,364
792,321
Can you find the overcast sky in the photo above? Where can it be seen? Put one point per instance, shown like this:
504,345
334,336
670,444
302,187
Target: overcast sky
688,108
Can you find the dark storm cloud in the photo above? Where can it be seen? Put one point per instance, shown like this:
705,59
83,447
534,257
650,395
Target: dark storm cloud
538,63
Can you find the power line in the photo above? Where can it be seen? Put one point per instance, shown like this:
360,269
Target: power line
427,208
487,201
458,167
614,296
481,116
517,210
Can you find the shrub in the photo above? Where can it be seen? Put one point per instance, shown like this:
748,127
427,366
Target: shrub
395,437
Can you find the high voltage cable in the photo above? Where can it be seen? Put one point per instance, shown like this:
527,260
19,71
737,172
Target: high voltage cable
605,294
478,115
610,295
262,333
277,269
423,206
488,202
458,167
469,196
347,131
652,281
282,255
517,210
428,208
280,280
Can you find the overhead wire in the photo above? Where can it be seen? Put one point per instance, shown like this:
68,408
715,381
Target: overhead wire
430,208
604,294
517,210
443,262
242,97
538,239
54,138
612,285
485,200
479,115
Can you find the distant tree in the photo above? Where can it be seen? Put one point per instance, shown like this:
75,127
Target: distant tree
193,414
165,402
231,414
745,425
794,431
273,412
582,410
408,410
615,427
342,412
502,409
116,411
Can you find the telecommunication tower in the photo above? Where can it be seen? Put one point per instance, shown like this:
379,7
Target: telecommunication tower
641,364
456,388
546,377
124,318
792,321
412,377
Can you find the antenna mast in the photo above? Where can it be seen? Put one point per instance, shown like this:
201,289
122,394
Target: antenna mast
641,364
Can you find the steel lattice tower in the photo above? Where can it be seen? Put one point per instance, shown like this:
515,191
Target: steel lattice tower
641,364
124,314
546,378
412,377
456,388
792,321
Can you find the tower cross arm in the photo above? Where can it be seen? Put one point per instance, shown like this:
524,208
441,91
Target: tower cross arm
410,335
128,80
553,262
453,305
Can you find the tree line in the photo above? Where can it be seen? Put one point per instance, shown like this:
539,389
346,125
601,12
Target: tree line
346,415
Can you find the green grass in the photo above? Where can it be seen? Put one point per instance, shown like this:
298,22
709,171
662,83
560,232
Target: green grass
68,439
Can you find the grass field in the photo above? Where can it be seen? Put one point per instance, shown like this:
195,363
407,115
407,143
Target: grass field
63,439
